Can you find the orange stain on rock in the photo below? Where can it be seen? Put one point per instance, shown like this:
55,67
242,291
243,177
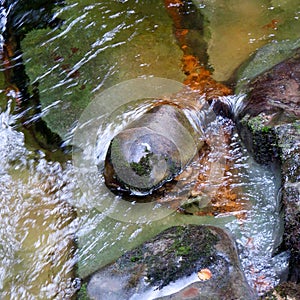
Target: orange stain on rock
200,79
272,25
191,292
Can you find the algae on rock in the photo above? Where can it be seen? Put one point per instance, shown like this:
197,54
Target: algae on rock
98,45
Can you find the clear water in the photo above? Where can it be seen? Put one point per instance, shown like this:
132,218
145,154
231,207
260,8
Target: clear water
42,210
45,216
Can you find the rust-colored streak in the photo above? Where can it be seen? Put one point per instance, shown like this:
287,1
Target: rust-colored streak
198,78
174,8
272,25
224,200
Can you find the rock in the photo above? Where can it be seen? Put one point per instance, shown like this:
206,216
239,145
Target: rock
122,40
169,266
269,124
285,290
289,143
151,150
275,92
264,59
233,30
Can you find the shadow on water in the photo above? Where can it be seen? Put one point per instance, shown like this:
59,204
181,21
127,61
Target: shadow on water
18,20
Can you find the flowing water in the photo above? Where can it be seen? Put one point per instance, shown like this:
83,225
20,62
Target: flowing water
52,234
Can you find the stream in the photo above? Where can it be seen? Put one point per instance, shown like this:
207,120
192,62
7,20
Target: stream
87,76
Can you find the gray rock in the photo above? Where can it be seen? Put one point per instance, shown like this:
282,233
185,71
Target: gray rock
269,124
182,262
151,150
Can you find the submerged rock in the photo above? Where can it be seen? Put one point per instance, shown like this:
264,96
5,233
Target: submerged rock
182,262
233,30
269,124
122,40
151,150
264,59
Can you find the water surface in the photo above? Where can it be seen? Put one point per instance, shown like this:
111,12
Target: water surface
47,226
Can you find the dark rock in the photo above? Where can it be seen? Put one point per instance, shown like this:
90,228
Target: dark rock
269,125
285,290
151,150
289,137
264,59
276,91
166,267
259,138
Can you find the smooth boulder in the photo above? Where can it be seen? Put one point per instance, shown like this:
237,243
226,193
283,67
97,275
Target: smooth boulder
151,150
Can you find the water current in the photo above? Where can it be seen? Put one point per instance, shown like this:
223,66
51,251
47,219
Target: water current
52,234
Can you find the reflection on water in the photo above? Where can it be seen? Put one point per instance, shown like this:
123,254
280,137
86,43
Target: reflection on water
235,29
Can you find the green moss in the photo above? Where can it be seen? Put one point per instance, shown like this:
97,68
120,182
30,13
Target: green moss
135,258
183,250
191,246
143,167
82,294
265,129
258,124
296,125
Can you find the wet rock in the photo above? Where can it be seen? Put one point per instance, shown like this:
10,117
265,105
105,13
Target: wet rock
233,30
172,266
275,92
285,290
264,59
151,150
269,124
122,40
289,138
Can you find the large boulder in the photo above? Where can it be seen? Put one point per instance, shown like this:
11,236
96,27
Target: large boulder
182,262
269,124
97,45
151,150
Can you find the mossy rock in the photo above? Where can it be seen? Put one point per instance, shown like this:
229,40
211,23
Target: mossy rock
151,150
260,139
97,46
175,254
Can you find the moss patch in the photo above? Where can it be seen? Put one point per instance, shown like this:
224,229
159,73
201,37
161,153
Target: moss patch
143,167
175,253
82,294
260,138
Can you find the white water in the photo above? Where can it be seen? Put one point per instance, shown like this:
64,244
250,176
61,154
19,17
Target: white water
38,225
